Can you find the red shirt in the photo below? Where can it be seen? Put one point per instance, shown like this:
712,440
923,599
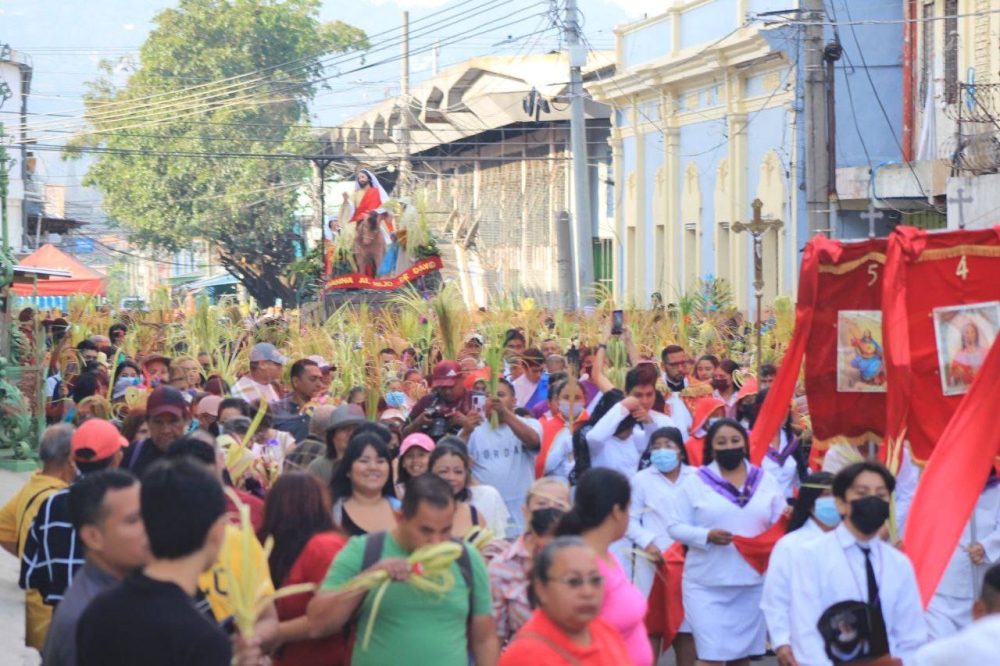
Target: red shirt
311,567
256,505
541,643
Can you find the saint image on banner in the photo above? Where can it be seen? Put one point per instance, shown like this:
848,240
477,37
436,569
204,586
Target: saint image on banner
860,360
964,334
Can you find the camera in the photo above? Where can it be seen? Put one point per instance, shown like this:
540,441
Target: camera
438,425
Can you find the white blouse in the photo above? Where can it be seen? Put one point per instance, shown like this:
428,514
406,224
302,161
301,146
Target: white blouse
777,599
652,498
698,509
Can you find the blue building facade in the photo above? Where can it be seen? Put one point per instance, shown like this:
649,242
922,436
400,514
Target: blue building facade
708,102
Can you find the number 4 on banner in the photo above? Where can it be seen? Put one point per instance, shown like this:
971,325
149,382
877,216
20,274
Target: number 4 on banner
963,268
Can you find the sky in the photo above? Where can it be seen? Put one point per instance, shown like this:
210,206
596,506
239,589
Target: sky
67,38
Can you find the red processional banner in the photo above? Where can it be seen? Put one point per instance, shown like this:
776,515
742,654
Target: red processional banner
838,332
359,281
941,314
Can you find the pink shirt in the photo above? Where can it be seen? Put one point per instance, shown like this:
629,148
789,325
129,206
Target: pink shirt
625,609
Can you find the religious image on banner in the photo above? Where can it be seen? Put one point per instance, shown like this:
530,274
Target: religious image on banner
964,335
860,361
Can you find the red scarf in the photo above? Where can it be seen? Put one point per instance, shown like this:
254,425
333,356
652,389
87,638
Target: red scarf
665,611
757,550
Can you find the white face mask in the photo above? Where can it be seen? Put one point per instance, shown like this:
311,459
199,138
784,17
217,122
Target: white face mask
570,410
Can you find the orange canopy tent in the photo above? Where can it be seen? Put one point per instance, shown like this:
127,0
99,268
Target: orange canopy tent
85,280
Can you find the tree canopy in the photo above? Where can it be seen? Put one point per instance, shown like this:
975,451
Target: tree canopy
217,84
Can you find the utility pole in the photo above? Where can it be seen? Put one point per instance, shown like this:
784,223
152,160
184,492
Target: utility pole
583,232
817,122
404,96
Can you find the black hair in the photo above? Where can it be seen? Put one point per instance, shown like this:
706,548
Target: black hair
514,334
299,367
126,364
235,403
990,594
523,412
846,477
340,483
671,349
806,501
117,327
426,488
671,433
93,466
543,521
86,496
194,448
728,366
506,382
453,446
376,429
768,370
581,449
388,350
644,374
714,360
181,502
87,345
545,558
85,385
708,453
600,490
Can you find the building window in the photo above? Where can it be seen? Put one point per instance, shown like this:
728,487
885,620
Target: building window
603,263
951,51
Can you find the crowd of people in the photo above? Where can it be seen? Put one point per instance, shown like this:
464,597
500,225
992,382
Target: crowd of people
599,523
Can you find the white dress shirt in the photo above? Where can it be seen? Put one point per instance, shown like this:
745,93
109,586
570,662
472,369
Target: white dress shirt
961,572
649,514
697,509
976,644
777,600
623,455
831,569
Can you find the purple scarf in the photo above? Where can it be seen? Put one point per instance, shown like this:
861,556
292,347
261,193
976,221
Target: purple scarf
738,497
783,455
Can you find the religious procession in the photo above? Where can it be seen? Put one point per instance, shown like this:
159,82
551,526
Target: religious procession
520,333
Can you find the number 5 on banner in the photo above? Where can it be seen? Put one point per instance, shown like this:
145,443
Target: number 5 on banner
962,270
872,268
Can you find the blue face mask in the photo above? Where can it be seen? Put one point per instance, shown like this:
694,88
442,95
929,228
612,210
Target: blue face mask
570,410
826,512
395,399
665,460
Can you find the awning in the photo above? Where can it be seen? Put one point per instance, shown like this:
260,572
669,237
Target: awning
84,280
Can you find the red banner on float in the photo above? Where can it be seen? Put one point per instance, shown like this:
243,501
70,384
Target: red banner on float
941,313
359,281
838,334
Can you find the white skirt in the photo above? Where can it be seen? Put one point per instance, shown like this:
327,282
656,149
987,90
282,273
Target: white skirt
946,616
726,621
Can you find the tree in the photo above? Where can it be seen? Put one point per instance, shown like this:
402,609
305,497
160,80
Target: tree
215,79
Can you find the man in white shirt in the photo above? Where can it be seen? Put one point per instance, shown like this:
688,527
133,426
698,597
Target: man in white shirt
504,458
978,643
526,386
265,367
607,449
674,364
852,564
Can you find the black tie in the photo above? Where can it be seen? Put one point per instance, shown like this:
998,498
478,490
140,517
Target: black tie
879,636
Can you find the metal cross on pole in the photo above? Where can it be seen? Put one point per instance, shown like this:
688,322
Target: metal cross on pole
757,228
872,215
961,200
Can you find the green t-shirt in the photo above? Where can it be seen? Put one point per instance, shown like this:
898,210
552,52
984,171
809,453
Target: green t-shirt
412,626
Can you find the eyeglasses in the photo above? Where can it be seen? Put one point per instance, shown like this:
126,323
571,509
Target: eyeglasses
576,582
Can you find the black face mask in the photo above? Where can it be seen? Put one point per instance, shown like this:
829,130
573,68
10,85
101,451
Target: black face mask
868,514
729,459
720,384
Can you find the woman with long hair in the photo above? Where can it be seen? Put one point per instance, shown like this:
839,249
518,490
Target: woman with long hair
600,516
581,449
450,461
814,515
297,517
705,367
361,489
721,591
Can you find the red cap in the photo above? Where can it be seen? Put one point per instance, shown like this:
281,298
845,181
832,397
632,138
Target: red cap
446,373
166,400
96,439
